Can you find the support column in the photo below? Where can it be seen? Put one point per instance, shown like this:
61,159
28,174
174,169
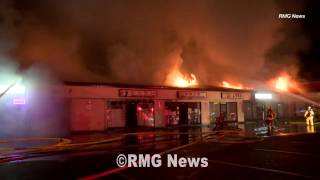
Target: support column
159,114
240,111
205,117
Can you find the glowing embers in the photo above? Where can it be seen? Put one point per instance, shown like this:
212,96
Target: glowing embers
19,101
15,89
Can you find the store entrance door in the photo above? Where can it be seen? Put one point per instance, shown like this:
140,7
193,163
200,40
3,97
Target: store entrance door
131,115
183,114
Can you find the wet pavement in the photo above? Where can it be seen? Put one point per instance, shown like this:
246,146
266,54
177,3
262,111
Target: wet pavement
235,151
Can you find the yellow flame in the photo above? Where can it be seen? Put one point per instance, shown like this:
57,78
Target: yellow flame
232,86
183,81
285,83
282,83
177,79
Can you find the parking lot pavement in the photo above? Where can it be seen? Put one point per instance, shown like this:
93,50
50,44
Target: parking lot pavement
282,157
289,153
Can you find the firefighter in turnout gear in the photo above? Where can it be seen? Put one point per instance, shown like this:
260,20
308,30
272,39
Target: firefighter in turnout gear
309,114
270,118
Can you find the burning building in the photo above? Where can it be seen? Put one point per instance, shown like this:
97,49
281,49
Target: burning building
87,42
99,107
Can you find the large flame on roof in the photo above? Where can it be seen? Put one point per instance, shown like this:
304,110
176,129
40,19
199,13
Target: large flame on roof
177,79
227,84
284,83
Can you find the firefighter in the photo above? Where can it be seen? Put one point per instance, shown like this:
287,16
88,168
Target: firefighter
309,114
220,121
270,118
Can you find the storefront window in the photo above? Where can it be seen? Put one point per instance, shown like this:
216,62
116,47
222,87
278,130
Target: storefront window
145,114
183,113
214,111
227,109
232,111
248,110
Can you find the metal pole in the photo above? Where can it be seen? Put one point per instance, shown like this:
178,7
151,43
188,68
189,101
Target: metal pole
4,92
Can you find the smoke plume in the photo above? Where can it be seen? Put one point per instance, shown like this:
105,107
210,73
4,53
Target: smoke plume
125,41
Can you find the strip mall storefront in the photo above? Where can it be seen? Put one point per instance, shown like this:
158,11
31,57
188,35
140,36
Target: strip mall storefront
98,108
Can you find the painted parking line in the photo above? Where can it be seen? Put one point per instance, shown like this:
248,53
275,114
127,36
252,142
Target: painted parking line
287,152
265,169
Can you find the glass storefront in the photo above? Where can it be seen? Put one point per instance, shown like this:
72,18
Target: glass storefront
228,109
129,113
145,114
254,111
183,113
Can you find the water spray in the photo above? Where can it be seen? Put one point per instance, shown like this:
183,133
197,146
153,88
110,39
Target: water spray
302,98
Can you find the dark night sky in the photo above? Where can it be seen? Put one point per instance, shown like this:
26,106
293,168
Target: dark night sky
137,42
310,60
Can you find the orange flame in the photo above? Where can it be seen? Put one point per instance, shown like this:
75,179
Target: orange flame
177,79
183,81
232,86
284,83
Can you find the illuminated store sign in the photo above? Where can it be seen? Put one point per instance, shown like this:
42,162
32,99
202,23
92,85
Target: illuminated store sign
136,93
192,94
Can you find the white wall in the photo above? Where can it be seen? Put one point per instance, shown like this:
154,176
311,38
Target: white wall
87,115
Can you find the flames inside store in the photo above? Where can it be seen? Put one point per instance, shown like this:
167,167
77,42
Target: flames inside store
228,109
183,113
130,113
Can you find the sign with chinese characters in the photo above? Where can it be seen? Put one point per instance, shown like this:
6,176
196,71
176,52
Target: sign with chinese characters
232,95
136,93
192,94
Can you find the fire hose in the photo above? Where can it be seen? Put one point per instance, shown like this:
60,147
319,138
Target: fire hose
65,145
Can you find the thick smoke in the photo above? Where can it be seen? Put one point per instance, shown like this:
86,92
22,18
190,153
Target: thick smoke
290,42
43,112
126,41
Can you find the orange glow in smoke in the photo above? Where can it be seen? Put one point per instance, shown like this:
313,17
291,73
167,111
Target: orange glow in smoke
232,86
